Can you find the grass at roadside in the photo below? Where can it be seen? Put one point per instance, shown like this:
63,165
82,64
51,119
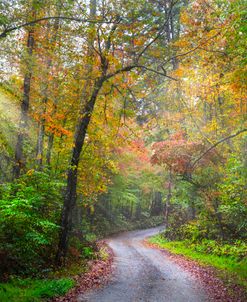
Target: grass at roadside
229,267
57,283
30,290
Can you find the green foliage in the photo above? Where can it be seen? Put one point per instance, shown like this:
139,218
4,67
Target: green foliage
236,249
103,254
233,192
205,104
29,211
88,252
214,207
28,290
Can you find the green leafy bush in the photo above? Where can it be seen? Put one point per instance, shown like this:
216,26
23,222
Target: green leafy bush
29,211
233,202
88,252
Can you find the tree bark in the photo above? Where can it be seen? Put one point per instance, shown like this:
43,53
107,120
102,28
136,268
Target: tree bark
218,218
168,201
80,134
22,133
49,149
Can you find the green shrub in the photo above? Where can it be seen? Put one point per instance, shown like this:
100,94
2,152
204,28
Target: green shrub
29,211
88,252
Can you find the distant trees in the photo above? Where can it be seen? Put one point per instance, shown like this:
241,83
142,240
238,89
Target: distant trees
206,103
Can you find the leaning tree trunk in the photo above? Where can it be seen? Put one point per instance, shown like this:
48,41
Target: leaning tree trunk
81,130
22,133
70,195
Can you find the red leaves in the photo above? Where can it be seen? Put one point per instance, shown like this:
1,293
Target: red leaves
134,156
176,153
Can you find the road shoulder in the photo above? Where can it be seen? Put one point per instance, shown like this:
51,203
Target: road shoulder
218,289
98,275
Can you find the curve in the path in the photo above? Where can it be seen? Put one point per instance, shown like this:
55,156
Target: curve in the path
145,274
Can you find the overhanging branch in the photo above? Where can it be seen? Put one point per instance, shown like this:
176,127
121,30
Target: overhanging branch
13,28
216,144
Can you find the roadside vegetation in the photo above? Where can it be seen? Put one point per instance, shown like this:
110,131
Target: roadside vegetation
28,290
228,259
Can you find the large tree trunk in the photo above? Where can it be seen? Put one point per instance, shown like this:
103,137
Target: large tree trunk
22,133
70,195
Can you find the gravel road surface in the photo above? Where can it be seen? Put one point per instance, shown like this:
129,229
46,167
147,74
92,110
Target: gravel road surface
142,273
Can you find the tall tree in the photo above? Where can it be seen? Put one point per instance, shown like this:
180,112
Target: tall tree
23,124
109,49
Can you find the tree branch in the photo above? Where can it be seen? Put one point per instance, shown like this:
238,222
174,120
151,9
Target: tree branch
130,67
157,36
10,29
199,46
216,144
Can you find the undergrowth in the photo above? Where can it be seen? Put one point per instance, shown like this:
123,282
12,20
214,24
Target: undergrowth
29,290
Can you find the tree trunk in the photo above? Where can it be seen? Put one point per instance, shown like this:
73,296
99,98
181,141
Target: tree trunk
168,200
22,133
49,149
40,144
218,218
70,195
81,130
156,208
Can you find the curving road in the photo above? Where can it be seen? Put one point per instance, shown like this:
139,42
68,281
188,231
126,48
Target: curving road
144,274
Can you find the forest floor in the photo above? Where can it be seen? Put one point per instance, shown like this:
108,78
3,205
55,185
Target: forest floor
97,275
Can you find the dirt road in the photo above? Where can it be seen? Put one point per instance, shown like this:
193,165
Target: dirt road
144,274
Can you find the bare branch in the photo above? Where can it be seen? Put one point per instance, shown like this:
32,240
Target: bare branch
130,67
191,50
10,29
